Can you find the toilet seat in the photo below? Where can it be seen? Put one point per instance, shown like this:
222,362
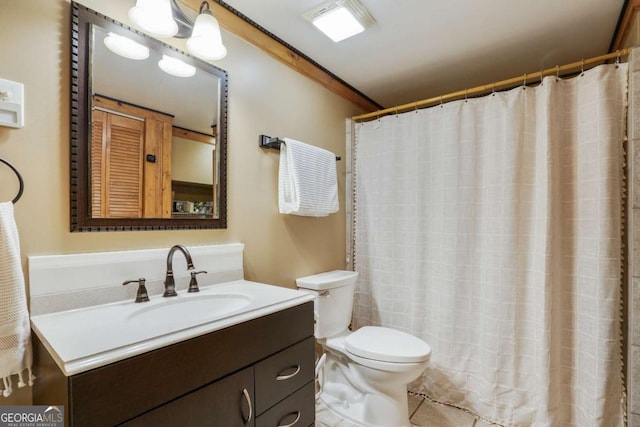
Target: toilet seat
387,345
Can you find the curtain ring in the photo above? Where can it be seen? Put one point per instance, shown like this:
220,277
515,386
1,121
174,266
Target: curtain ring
557,72
441,105
524,84
582,68
493,89
541,76
618,58
465,95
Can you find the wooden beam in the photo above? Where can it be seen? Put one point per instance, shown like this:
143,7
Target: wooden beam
625,24
195,136
285,54
114,105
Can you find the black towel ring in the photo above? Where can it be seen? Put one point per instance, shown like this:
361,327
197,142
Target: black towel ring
19,179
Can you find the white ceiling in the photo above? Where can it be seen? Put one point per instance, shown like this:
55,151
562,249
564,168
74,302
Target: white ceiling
424,48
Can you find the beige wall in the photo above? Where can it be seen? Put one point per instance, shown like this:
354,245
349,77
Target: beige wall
265,97
192,161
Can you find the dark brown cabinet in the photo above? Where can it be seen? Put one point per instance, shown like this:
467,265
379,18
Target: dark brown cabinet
225,403
257,373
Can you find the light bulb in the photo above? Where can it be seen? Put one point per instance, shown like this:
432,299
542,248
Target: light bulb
176,67
126,47
205,41
154,17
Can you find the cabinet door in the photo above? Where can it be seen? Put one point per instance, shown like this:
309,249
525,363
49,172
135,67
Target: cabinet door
224,403
130,161
116,166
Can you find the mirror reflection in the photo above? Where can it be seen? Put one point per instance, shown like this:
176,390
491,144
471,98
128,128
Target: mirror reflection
153,143
148,131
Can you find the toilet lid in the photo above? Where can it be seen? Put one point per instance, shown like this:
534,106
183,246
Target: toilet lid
387,345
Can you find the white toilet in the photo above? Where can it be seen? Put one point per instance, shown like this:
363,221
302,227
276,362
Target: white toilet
364,378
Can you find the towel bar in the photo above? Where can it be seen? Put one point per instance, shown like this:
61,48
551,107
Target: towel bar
275,142
20,180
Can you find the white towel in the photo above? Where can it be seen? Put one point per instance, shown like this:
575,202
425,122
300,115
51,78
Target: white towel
308,183
15,331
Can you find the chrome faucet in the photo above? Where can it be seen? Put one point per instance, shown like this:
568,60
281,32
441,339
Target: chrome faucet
169,282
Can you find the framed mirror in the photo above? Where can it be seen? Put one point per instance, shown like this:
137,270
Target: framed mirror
148,131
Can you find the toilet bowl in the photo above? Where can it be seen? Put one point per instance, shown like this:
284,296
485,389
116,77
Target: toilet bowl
365,375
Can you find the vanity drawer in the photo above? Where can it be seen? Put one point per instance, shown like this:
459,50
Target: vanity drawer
298,410
283,373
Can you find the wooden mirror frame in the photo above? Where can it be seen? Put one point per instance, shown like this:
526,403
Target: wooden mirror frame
81,220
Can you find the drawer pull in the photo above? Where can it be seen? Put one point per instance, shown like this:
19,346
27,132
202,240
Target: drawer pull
248,399
281,377
294,421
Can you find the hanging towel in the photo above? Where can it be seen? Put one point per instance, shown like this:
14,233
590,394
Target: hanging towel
15,331
308,184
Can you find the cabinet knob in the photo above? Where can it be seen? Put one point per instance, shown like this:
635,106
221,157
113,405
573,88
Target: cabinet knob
248,400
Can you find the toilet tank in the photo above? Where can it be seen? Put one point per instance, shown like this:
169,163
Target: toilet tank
333,304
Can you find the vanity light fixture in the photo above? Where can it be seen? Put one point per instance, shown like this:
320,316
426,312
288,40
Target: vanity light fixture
340,19
176,67
154,17
205,41
164,18
126,47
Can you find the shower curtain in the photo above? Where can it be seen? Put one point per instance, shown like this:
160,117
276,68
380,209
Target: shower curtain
491,228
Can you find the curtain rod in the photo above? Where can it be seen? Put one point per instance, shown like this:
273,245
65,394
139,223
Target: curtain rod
491,87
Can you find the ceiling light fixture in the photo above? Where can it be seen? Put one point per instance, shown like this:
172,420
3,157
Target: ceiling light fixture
164,18
176,67
126,47
340,19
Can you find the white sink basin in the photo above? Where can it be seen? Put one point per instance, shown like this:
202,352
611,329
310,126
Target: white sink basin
91,337
194,308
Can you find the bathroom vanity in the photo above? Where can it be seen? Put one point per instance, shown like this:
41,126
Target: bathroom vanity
256,373
236,353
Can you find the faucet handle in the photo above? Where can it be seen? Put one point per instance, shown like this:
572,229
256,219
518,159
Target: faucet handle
141,295
193,284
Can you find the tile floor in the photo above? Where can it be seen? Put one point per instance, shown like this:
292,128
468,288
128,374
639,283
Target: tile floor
424,413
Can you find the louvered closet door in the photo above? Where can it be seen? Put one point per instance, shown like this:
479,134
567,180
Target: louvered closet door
125,142
98,141
116,166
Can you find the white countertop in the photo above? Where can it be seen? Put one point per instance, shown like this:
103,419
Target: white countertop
90,337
